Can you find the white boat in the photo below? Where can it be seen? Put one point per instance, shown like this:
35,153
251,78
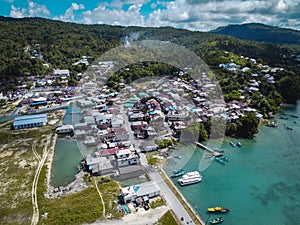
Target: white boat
190,178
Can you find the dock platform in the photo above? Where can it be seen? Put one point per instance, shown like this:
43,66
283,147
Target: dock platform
214,152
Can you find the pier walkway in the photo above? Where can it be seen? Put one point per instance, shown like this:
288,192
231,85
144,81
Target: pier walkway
214,152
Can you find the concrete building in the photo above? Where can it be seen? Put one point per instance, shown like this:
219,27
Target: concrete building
126,157
148,189
30,121
148,146
59,72
98,165
64,129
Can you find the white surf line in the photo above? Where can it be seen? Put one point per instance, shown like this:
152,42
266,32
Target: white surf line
35,216
100,198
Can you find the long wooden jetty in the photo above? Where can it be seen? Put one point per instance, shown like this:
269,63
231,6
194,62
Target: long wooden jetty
214,152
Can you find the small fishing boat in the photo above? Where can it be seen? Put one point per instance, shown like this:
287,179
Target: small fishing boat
217,220
239,144
272,124
294,116
177,156
219,150
220,160
177,173
232,144
283,118
218,209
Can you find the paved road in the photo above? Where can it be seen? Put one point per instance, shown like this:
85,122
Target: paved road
165,191
171,199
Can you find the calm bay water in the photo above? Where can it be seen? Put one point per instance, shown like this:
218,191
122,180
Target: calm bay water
66,159
260,183
67,155
68,152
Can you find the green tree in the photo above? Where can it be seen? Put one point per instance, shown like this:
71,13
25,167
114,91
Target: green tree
289,88
233,95
247,126
231,129
197,129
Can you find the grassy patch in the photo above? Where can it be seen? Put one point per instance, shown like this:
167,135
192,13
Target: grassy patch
110,191
152,161
167,219
151,158
157,203
77,208
17,168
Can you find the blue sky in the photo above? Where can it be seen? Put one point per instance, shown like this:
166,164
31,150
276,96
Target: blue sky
200,15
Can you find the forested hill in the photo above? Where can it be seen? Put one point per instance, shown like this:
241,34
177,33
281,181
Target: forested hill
60,44
260,32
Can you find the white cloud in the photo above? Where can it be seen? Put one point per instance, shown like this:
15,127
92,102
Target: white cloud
69,13
105,15
33,10
207,15
189,14
117,4
17,12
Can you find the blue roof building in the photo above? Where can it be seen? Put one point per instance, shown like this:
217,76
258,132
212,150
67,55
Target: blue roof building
30,121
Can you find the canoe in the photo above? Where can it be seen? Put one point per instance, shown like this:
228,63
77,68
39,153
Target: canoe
177,173
217,220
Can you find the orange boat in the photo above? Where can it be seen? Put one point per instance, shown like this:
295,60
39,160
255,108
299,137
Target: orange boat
218,209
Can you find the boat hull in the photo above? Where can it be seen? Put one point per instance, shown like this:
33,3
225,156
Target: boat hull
189,182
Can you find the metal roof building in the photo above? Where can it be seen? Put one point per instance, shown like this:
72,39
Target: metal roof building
30,121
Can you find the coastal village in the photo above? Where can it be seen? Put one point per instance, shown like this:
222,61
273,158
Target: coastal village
119,129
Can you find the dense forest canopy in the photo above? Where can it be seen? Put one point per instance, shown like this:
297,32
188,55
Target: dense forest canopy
60,44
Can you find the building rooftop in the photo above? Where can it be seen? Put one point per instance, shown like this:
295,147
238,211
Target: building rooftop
38,118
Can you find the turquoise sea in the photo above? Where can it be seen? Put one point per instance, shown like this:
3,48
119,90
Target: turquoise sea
261,181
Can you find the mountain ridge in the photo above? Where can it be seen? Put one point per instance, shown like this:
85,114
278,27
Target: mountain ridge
261,33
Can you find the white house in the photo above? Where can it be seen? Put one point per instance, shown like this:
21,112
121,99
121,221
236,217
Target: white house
59,72
148,189
64,129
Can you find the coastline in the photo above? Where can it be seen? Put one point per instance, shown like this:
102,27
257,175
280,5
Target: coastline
192,210
51,154
261,172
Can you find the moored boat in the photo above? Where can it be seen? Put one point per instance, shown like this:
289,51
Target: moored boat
177,173
217,220
218,209
190,178
239,144
288,128
220,160
232,144
272,124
